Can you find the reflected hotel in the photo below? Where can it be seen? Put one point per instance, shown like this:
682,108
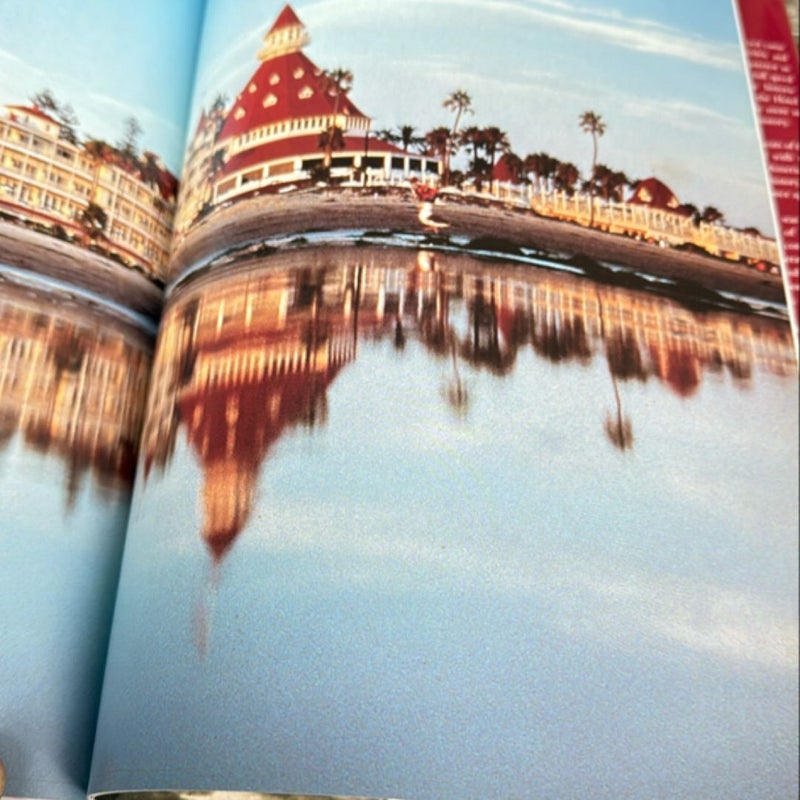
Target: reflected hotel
246,356
73,383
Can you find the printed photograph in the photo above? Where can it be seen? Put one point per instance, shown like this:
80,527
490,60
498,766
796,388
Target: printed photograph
91,136
73,380
396,505
624,133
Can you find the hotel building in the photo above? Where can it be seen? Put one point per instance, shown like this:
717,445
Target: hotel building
46,180
273,134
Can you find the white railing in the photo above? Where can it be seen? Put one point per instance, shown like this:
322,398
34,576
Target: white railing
639,221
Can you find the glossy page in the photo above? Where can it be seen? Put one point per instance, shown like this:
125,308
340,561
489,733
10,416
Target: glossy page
93,99
470,460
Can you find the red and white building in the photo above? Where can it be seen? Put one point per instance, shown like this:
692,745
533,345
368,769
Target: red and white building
274,131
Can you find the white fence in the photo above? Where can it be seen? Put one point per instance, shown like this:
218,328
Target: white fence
639,221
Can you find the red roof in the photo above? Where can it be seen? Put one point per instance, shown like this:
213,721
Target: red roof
34,111
289,86
167,184
286,19
503,173
307,145
652,192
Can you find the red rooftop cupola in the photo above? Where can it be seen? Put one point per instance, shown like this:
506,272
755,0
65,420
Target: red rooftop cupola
287,35
288,94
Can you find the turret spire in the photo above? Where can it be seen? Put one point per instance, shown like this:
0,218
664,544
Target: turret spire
287,35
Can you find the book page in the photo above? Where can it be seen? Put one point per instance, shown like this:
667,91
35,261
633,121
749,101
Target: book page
93,99
772,57
470,460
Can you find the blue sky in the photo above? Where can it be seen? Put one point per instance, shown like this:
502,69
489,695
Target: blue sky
109,60
666,77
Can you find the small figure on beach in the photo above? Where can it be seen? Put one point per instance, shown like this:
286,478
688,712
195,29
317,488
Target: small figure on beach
427,195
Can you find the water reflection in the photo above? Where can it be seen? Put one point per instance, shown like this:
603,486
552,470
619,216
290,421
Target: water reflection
249,353
73,380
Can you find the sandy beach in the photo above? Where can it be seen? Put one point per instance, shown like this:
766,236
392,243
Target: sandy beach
49,257
264,217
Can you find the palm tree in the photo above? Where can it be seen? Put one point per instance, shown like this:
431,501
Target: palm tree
693,211
63,112
437,142
98,149
99,152
565,177
515,166
593,124
338,82
150,171
387,135
493,140
331,139
407,137
471,137
710,215
218,103
543,166
128,145
461,103
608,183
93,220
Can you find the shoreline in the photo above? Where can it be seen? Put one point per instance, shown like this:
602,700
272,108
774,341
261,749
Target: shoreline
255,219
71,265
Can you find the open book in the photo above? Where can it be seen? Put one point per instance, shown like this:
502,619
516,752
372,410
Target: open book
398,399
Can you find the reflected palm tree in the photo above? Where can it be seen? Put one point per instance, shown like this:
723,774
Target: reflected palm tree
400,337
456,391
484,348
561,340
618,426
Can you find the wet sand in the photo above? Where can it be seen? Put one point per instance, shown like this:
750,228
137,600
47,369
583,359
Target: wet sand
258,218
70,264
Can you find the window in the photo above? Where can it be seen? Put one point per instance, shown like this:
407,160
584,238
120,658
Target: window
226,186
252,175
283,168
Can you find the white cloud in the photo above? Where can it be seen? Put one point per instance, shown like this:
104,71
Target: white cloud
628,608
640,35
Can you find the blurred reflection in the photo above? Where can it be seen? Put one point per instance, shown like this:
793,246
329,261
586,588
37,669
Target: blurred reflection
73,379
249,350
